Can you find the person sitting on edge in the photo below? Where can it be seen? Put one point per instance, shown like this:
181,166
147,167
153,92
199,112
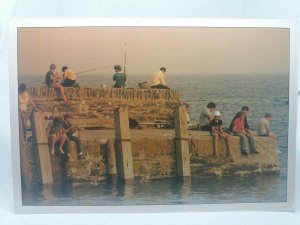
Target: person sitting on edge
70,131
263,126
55,135
24,98
216,130
239,130
119,77
206,116
245,109
158,79
69,77
51,80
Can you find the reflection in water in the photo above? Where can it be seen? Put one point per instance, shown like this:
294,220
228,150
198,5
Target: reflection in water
201,190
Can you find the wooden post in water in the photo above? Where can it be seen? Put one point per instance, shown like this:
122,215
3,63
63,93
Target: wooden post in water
38,125
111,158
123,145
182,144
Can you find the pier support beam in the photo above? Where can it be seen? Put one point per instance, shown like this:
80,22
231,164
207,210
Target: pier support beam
123,145
38,125
182,144
111,158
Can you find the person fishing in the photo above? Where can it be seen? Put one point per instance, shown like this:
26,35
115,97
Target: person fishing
158,79
119,77
52,80
69,77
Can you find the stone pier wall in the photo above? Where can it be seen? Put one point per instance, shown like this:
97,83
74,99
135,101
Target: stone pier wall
156,159
94,106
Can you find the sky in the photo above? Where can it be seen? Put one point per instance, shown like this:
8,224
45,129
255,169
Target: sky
185,51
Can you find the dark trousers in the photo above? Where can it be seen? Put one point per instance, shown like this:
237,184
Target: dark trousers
159,86
68,83
244,139
66,146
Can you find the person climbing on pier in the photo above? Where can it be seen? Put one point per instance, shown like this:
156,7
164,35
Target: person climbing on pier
55,135
119,77
158,79
69,77
217,131
52,80
263,126
239,130
207,114
24,98
70,131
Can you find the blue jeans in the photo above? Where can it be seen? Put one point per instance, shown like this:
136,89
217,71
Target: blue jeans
244,139
66,146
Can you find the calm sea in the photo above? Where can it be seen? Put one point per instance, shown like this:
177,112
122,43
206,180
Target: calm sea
262,93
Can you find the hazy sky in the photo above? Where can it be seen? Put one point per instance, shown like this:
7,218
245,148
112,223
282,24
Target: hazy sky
181,50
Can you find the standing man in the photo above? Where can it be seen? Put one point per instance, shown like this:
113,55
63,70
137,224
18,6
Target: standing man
206,116
69,77
119,77
158,79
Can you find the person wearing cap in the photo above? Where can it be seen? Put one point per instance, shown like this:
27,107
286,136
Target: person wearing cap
69,77
245,109
70,130
217,131
263,126
119,77
158,79
52,80
239,130
55,135
206,115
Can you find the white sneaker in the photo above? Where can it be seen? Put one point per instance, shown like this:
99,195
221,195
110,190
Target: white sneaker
278,151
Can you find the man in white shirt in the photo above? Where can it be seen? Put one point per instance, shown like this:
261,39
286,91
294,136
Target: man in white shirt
158,79
207,114
263,126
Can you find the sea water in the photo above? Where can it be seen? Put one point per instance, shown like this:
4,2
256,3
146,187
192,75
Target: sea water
262,93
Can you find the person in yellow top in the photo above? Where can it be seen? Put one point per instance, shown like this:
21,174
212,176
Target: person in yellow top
69,77
158,79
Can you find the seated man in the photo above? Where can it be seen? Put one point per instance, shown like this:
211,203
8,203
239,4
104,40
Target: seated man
55,135
217,132
119,77
51,80
245,109
158,79
206,116
263,126
69,130
69,77
239,130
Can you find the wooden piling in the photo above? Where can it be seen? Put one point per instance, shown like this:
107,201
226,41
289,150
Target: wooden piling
111,158
40,140
182,144
123,145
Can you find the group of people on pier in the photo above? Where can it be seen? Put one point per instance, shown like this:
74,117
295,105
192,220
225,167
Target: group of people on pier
210,120
69,77
60,131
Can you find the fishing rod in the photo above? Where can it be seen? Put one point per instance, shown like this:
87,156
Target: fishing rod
99,68
125,57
